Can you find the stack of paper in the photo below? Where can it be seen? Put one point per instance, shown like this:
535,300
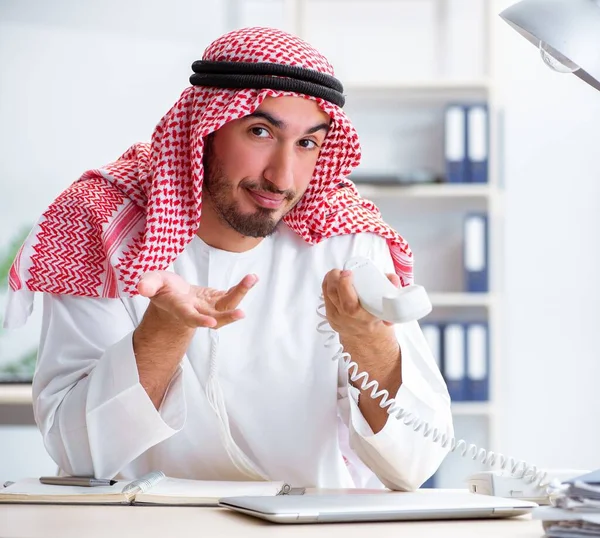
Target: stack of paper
576,509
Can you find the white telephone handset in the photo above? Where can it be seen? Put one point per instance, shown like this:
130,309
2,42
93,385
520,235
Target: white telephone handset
378,296
510,477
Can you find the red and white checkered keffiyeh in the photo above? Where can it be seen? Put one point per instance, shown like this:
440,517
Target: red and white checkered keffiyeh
137,214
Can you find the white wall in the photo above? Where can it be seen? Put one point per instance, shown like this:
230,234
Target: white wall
550,399
82,81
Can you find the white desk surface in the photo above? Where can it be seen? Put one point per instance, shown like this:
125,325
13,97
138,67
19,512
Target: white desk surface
54,521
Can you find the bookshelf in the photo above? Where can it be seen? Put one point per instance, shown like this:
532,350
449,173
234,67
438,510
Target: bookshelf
398,114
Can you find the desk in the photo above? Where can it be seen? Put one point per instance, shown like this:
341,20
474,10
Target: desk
33,521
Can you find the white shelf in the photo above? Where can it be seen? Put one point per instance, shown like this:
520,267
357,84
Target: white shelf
439,190
462,299
434,85
472,408
15,394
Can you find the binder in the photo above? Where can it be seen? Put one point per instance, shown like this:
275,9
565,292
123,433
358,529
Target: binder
475,254
455,144
433,335
455,361
477,143
478,362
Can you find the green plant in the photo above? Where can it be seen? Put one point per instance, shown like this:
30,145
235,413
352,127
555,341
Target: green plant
23,366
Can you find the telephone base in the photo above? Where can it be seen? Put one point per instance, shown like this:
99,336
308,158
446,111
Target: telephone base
504,484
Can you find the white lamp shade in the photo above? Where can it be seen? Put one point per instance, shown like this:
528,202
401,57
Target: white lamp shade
570,29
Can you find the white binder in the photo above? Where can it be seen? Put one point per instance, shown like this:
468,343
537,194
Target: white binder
454,360
477,143
433,334
455,144
476,253
477,362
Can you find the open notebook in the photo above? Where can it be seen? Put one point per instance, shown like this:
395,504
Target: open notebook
153,488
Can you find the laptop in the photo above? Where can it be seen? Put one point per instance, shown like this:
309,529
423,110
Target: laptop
424,504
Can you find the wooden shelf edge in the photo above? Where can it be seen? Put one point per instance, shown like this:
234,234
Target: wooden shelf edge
15,394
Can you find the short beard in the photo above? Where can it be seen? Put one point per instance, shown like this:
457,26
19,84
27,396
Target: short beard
262,222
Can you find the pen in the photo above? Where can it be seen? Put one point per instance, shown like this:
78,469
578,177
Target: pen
76,481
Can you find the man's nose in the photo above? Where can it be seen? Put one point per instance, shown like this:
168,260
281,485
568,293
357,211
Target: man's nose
280,168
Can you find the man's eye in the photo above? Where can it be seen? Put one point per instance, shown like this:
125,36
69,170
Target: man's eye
261,132
308,143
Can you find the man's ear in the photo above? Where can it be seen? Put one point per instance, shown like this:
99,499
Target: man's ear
207,150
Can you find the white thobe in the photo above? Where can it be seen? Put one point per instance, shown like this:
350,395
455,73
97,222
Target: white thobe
285,405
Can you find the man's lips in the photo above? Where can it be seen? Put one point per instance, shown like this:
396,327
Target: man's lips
268,200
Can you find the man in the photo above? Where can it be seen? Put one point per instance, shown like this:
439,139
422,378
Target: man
182,284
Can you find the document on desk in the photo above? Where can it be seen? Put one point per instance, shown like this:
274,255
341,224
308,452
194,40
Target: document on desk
576,509
152,489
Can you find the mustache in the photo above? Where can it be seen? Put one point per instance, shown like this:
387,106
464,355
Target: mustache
268,187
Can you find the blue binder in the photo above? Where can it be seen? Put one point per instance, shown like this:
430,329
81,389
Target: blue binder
429,483
478,362
475,254
455,144
454,365
478,142
433,335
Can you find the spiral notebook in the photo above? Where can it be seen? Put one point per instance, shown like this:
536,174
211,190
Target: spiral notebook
152,489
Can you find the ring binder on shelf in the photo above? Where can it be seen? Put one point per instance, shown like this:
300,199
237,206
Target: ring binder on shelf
456,144
477,362
477,143
475,253
454,361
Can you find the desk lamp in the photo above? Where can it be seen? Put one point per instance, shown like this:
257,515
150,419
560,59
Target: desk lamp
567,33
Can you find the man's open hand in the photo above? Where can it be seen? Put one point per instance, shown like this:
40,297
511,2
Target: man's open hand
191,305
